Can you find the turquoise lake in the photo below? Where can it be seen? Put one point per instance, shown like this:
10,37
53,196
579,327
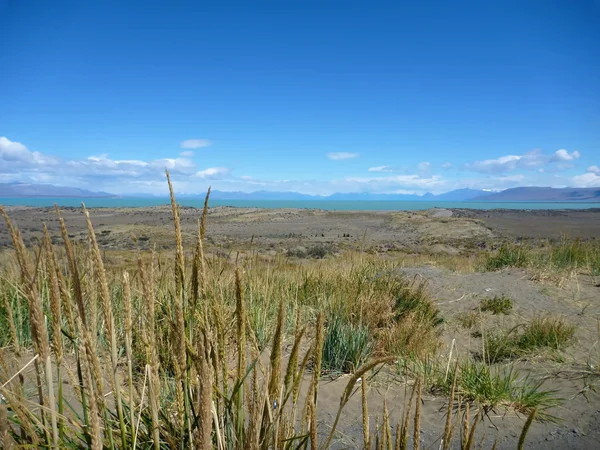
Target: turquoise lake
340,205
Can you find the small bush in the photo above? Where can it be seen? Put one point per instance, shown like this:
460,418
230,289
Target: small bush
319,251
507,256
346,346
569,254
551,332
499,346
297,252
481,384
414,299
490,388
410,337
542,332
496,305
468,319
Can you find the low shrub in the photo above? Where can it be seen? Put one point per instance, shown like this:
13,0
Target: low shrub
468,319
551,332
496,305
507,256
542,332
413,298
320,251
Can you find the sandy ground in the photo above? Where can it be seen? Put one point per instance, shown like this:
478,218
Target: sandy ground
433,231
436,230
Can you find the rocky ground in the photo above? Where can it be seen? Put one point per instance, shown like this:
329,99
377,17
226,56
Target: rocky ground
299,230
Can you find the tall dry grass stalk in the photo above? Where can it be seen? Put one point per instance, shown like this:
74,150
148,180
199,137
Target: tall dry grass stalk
128,343
448,428
365,414
202,435
198,282
6,440
417,419
150,346
36,318
406,420
240,314
106,304
386,432
360,372
179,329
55,308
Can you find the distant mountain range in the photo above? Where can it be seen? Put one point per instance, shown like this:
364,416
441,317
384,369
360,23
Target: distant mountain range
20,190
520,194
457,195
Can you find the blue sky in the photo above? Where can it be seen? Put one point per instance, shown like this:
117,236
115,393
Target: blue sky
315,97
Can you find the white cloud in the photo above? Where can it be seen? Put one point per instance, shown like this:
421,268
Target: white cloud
424,166
195,143
22,164
187,154
15,156
13,151
385,184
594,169
338,156
132,176
447,165
564,155
528,161
589,179
213,173
505,163
380,169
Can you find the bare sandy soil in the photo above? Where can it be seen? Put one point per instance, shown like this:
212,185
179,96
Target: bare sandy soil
436,231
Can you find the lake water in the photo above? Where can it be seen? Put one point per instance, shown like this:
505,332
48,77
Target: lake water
340,205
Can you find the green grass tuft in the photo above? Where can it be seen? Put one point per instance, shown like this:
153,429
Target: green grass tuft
468,319
507,256
541,333
414,299
496,305
551,332
346,347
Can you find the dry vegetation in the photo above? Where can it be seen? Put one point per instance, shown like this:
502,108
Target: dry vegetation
182,350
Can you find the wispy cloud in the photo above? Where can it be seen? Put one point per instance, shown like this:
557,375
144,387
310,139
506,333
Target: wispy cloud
594,170
187,154
195,143
338,156
213,173
564,155
424,166
447,165
528,161
394,182
380,169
